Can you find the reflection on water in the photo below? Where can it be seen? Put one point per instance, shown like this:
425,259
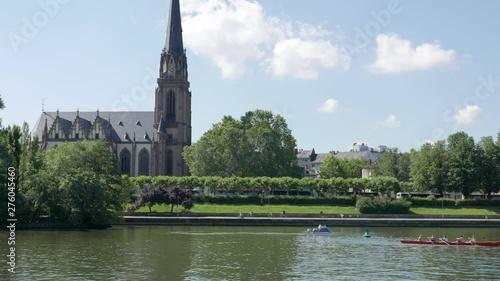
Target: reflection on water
248,253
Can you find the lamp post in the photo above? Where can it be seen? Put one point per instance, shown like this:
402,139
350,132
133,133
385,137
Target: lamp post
442,208
442,197
269,198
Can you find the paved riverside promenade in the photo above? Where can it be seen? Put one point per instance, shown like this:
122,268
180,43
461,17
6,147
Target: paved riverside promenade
308,220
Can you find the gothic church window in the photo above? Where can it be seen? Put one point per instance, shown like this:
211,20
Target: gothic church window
170,163
144,162
171,105
125,162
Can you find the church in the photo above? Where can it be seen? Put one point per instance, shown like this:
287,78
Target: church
147,142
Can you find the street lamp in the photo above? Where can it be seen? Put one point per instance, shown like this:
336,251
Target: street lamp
442,208
269,198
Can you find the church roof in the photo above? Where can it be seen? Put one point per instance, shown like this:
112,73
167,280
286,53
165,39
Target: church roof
320,158
123,124
354,154
173,42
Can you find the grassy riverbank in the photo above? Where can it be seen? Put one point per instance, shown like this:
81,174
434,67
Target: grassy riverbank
327,210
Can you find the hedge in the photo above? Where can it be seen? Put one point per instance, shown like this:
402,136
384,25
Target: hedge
382,206
478,203
276,200
432,202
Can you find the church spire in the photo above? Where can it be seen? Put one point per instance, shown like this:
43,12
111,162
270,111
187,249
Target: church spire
173,42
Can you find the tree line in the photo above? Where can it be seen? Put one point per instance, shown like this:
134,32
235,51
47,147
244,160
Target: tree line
457,164
241,185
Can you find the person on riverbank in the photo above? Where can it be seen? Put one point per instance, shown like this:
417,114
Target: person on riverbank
283,214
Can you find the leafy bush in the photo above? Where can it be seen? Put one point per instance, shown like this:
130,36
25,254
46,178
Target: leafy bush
431,202
382,206
151,195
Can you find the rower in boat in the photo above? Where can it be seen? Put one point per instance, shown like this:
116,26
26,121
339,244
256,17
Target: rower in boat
472,239
322,229
442,243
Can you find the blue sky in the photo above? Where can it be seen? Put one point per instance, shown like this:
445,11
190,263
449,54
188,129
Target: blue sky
395,73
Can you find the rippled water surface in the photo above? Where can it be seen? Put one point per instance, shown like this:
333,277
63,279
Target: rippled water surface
248,253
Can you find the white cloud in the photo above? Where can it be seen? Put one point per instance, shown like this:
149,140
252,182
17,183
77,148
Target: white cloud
397,55
330,106
390,122
467,115
303,58
232,33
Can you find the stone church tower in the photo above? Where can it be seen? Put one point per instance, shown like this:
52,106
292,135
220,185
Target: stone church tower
172,115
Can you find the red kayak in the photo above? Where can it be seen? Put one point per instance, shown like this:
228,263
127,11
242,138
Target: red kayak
454,243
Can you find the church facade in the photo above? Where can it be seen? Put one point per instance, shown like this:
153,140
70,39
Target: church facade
145,142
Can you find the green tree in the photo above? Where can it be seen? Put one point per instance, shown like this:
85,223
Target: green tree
2,106
13,145
387,164
151,195
25,135
429,168
462,154
439,168
5,160
384,184
79,184
393,163
419,169
259,144
333,167
404,163
489,168
29,185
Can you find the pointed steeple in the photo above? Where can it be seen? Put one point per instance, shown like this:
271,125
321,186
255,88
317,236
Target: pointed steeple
173,43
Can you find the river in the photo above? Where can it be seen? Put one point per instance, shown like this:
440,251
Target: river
247,253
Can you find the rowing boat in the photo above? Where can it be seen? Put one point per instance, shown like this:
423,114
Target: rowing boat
454,243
